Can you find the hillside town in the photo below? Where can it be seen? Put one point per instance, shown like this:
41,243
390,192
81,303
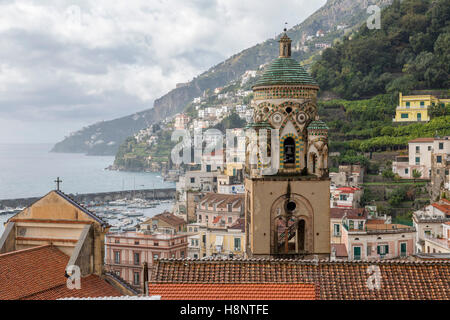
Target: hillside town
227,210
289,182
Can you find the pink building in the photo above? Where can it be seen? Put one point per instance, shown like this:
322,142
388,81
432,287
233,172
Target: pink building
126,252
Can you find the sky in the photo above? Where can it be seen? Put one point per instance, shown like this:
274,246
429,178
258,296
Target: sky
68,64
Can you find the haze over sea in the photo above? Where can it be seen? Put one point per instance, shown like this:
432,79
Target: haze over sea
29,170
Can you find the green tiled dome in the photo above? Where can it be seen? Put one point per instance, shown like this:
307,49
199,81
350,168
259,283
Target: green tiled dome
285,71
318,124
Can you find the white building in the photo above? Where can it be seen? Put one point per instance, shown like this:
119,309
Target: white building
428,222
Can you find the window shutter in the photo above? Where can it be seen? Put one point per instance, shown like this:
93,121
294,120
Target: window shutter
378,249
387,249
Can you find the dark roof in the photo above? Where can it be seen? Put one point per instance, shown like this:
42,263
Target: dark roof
356,213
239,224
39,273
338,280
222,200
285,71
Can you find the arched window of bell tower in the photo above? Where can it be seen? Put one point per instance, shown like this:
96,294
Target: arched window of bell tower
289,150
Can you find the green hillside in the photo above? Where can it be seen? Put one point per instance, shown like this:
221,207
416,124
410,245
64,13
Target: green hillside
410,51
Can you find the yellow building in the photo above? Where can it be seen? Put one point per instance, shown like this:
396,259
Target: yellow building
416,108
223,241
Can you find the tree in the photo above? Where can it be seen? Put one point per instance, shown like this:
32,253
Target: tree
416,174
388,174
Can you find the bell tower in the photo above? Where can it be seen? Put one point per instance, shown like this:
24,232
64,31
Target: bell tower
288,209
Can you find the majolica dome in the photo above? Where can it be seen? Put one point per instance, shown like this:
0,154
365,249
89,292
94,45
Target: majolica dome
318,125
285,71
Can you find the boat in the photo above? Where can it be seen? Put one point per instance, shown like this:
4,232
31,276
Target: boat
120,202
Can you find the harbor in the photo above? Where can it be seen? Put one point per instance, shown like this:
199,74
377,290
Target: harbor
122,214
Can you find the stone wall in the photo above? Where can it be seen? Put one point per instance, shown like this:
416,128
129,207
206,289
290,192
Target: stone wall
159,194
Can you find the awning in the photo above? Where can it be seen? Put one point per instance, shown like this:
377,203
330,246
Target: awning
219,240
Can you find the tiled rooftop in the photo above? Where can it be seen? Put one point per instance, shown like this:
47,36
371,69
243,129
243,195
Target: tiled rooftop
400,280
39,273
241,291
338,213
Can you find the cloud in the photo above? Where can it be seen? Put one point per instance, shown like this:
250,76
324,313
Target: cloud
73,63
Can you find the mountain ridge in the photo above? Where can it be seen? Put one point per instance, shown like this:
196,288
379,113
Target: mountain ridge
105,137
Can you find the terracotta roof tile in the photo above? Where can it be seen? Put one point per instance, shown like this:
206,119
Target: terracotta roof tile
168,218
401,280
39,273
244,291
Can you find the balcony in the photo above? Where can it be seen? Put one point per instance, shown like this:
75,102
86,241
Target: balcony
125,263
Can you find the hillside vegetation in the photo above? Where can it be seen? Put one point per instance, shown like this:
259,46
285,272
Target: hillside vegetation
410,51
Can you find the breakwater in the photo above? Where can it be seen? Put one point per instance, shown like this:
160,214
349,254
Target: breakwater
149,194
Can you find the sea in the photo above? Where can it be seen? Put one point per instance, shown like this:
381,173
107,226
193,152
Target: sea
29,170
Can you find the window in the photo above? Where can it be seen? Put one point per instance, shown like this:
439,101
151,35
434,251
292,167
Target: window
404,116
360,225
383,249
406,171
403,249
289,151
417,149
136,280
204,238
182,254
155,256
351,225
429,148
156,244
441,145
417,160
422,103
237,244
357,253
137,258
116,256
230,207
116,240
369,250
408,104
192,180
230,219
199,217
136,242
336,230
117,272
439,159
343,197
208,168
195,256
